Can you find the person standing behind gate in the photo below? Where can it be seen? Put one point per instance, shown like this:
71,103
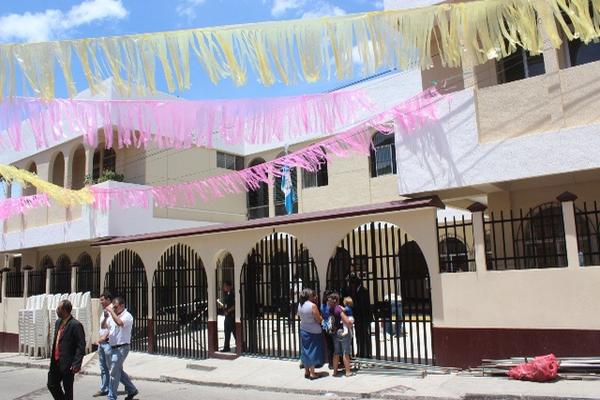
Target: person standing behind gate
119,339
68,349
362,314
229,313
103,345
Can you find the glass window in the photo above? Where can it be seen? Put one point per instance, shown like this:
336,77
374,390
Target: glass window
519,65
230,161
315,179
383,155
577,52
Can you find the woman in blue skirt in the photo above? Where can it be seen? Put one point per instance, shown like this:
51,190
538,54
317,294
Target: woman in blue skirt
310,333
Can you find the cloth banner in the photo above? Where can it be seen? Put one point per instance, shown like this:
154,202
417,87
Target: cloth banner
460,33
178,123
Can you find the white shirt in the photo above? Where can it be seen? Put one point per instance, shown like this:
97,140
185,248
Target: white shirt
121,334
104,331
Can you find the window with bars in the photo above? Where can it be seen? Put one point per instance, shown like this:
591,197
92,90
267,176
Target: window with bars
383,155
230,161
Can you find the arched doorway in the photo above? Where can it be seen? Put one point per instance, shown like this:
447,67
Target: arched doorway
58,170
78,168
225,273
258,199
275,272
88,275
30,190
60,279
180,291
384,271
126,277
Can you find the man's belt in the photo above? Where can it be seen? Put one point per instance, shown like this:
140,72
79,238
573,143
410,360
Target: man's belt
119,345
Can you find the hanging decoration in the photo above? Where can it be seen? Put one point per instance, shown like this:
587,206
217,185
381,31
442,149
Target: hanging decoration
64,196
465,33
17,206
409,115
178,123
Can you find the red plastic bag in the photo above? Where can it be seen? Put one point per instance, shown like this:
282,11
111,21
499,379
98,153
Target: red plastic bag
540,369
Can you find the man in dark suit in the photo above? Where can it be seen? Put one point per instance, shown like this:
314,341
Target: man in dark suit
229,313
68,348
362,315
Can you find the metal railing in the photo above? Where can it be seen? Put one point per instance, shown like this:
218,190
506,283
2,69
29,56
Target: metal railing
37,283
533,240
588,238
456,245
14,284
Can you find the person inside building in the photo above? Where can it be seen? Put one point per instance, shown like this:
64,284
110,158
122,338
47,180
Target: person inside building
229,313
310,333
119,339
362,314
68,349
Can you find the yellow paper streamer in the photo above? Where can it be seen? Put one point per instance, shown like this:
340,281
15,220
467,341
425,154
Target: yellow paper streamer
64,196
461,33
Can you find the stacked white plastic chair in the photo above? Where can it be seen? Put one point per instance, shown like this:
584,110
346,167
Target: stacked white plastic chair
39,331
26,325
83,313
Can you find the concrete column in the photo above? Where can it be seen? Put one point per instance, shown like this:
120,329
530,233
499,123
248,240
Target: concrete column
68,179
49,272
89,161
568,210
26,270
271,197
74,270
477,210
299,189
4,275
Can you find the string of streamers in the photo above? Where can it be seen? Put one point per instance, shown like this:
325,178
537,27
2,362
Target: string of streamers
64,196
409,116
178,123
17,206
308,49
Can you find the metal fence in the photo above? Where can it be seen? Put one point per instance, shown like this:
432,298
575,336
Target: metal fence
126,277
60,276
533,240
37,282
456,245
14,284
180,292
393,308
88,276
275,272
587,221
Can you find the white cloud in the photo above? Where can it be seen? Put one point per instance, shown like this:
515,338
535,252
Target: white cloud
305,8
187,8
53,24
379,5
323,9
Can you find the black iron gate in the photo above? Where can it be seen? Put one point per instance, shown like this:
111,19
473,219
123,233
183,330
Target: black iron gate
393,307
275,272
88,276
60,279
126,277
180,304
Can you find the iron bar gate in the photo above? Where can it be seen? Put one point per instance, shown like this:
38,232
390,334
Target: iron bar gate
126,277
393,311
60,278
88,276
275,272
180,291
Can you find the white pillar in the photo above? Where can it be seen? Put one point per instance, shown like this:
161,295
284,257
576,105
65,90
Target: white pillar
89,161
74,269
568,210
68,179
48,276
26,270
477,210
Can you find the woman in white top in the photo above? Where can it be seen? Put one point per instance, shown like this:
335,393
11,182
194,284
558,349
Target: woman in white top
310,333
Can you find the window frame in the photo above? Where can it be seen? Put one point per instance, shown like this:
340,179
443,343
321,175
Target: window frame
385,142
230,161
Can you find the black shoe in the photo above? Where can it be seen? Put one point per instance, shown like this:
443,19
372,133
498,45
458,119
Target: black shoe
100,394
131,396
226,350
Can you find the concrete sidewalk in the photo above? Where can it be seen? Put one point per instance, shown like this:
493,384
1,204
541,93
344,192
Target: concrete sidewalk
285,376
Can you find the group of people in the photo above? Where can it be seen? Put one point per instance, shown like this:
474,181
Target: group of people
68,349
329,329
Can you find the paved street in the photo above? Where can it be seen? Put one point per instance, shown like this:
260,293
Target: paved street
30,384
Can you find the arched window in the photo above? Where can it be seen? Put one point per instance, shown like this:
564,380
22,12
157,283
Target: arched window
541,237
258,199
30,190
454,255
383,155
316,179
78,168
58,170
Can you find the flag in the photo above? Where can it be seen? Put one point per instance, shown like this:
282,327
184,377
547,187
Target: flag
287,189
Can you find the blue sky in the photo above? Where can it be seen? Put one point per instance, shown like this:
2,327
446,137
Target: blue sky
40,20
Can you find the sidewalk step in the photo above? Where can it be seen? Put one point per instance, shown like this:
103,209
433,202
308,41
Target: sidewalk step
198,367
224,356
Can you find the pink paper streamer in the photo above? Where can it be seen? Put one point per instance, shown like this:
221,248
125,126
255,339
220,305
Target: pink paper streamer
178,123
410,115
16,206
